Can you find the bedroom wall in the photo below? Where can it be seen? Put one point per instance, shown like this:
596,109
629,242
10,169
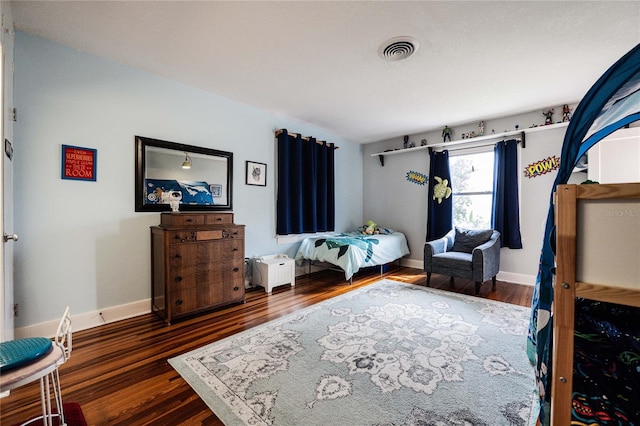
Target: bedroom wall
393,201
81,243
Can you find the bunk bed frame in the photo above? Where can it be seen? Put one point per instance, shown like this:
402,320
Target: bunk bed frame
584,272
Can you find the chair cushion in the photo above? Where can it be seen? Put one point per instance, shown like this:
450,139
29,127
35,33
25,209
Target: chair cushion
468,239
16,353
451,261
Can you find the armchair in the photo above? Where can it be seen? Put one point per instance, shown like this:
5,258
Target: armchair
463,253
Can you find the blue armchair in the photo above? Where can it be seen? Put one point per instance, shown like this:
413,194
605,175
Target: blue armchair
463,253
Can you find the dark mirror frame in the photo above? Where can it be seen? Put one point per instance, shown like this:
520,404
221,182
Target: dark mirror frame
142,143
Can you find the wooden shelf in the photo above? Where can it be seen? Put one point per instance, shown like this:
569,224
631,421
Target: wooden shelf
472,141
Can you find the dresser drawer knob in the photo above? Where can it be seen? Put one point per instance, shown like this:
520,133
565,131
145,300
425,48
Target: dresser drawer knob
236,288
178,279
236,269
178,302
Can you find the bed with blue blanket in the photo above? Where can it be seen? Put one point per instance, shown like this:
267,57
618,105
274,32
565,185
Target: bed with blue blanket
354,250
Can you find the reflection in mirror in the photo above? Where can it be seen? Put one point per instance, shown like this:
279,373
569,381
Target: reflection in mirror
187,177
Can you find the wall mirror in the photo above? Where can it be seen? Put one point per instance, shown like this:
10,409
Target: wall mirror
199,178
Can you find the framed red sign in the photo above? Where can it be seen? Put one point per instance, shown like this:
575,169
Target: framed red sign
79,163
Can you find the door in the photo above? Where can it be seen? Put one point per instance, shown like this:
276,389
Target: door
6,201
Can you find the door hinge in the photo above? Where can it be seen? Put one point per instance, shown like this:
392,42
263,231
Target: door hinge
16,311
14,114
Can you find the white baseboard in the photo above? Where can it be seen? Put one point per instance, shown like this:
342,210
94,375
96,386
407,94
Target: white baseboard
517,278
413,263
502,276
87,320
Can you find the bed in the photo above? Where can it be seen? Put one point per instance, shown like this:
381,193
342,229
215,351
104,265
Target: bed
596,310
353,250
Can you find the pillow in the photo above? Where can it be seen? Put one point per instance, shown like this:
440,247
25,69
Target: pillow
468,239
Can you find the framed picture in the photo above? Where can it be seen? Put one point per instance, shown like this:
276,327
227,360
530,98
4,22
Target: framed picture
216,190
256,173
78,163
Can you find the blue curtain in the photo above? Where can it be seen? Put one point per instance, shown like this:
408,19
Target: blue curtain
306,186
505,212
439,201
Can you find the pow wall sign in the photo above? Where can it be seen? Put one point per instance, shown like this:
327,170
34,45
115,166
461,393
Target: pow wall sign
417,178
541,167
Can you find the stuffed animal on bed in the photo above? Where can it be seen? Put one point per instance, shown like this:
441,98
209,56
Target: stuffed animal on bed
370,227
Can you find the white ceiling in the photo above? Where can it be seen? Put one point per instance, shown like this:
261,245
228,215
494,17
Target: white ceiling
318,61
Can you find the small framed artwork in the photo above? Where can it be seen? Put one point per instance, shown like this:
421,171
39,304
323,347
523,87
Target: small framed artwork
216,190
79,163
256,173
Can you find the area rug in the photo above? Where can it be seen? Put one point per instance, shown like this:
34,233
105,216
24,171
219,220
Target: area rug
387,354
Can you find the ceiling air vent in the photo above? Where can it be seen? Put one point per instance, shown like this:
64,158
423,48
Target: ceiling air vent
398,48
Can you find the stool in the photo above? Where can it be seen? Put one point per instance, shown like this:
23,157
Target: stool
23,361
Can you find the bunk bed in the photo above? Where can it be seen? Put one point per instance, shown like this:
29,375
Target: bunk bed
597,287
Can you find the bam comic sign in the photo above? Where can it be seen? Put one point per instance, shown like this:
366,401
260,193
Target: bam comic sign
541,167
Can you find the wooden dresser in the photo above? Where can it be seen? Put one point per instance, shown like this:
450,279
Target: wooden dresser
197,263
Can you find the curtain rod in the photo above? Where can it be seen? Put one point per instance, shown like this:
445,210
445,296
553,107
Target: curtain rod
306,138
475,146
466,142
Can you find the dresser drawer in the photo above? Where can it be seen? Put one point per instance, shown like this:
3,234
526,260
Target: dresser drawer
203,297
194,219
187,255
188,235
218,219
206,274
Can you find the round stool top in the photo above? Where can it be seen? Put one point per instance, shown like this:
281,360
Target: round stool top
16,353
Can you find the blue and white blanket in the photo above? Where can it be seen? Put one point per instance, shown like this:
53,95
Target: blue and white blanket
352,251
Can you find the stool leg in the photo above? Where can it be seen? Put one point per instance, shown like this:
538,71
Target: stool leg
57,394
45,422
52,379
45,401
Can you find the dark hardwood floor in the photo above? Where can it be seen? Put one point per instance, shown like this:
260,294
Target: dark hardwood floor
119,372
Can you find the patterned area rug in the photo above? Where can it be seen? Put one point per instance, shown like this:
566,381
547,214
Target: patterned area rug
386,354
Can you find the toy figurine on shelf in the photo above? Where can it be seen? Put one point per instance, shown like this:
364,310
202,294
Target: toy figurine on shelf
423,142
481,128
548,113
566,113
406,141
446,133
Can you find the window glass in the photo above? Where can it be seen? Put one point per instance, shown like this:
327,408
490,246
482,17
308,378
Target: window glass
472,184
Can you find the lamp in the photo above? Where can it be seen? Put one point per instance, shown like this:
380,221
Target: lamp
186,164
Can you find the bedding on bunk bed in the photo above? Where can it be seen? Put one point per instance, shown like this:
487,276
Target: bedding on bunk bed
354,250
606,368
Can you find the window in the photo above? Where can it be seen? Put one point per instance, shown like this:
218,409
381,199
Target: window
472,184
